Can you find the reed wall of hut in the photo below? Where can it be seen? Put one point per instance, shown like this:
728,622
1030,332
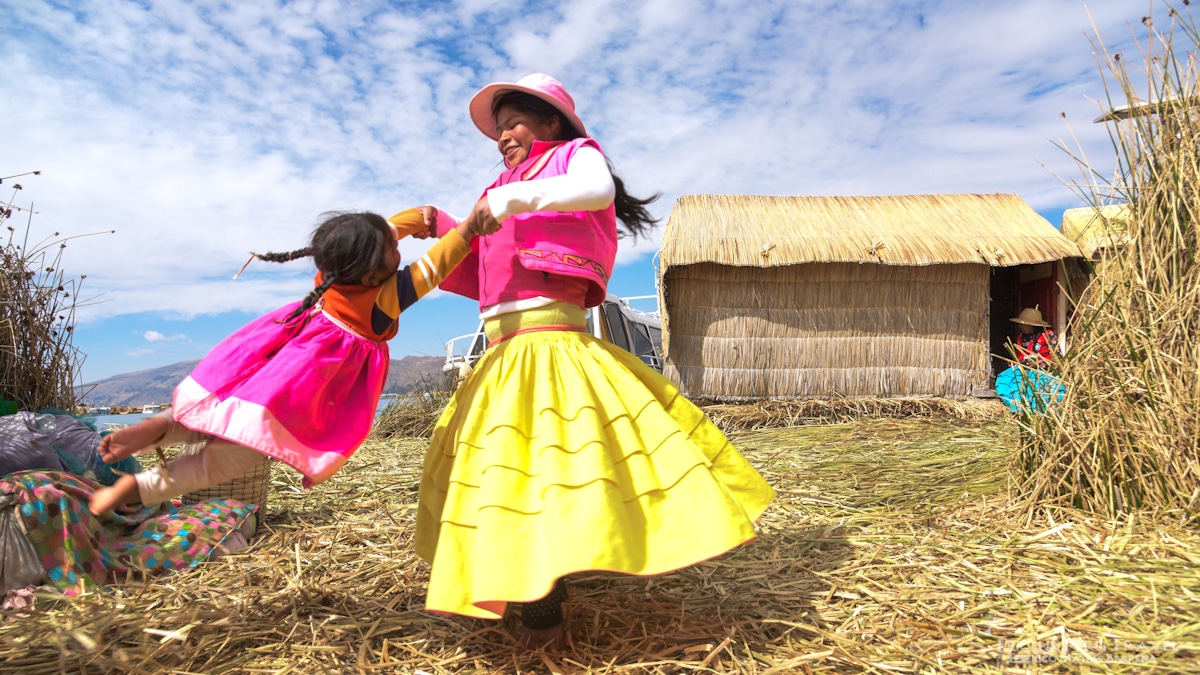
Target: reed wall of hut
828,330
823,297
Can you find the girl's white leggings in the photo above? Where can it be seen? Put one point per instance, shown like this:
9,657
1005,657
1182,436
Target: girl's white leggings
218,461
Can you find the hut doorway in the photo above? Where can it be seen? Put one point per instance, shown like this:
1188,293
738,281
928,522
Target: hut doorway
1013,289
1005,304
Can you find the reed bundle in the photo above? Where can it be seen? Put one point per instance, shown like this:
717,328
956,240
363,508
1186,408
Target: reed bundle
891,547
38,363
1127,435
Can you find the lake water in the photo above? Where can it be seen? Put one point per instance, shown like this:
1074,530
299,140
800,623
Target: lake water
104,422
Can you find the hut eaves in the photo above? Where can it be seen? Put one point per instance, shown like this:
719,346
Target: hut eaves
999,230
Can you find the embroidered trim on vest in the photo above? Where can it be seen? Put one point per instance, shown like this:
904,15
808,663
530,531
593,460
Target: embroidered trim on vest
566,259
539,164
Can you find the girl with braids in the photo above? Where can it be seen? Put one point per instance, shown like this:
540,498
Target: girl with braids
300,384
561,453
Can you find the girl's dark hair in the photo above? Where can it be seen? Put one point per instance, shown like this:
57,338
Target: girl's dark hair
345,246
631,211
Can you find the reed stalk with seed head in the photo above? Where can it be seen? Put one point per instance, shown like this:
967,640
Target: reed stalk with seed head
39,365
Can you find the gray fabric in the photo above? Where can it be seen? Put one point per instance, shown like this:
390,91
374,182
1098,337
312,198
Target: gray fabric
71,436
24,447
78,447
19,562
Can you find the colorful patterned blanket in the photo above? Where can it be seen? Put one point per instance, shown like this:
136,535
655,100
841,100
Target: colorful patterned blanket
79,550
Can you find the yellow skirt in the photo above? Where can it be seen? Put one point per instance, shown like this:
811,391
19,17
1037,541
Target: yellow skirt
563,453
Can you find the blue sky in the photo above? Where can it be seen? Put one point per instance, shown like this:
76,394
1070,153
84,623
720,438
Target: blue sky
200,131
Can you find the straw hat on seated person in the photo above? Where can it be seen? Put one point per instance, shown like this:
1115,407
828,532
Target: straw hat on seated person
1030,316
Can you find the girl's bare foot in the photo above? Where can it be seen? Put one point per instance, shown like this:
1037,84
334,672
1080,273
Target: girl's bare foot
128,441
124,491
536,638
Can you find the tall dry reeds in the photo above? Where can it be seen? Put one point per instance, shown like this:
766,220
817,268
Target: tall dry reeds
1126,438
38,363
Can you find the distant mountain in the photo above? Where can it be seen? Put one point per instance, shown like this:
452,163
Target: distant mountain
412,374
156,385
140,388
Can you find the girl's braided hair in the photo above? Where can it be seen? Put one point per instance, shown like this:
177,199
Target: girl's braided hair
631,211
345,246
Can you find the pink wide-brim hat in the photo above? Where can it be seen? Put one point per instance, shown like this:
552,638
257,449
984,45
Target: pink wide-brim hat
540,85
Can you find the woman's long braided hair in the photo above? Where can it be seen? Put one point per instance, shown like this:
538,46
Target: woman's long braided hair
631,211
345,246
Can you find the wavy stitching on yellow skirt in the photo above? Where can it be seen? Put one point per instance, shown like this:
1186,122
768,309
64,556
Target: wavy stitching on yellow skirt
457,469
599,439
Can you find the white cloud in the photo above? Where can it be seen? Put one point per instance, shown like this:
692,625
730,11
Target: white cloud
155,336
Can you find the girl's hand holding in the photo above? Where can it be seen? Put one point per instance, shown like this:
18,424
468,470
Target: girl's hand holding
429,213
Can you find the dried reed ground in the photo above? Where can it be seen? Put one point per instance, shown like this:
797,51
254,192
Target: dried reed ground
890,548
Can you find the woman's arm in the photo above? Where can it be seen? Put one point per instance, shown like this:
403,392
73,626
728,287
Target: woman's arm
441,222
587,186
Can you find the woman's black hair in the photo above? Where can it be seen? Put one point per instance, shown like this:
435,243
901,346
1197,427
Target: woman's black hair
345,246
631,211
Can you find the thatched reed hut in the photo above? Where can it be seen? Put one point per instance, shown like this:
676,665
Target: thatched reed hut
820,297
1101,231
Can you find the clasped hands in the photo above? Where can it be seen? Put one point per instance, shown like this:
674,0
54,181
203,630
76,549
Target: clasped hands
480,221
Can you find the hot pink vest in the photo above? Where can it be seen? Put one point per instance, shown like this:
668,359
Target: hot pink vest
565,256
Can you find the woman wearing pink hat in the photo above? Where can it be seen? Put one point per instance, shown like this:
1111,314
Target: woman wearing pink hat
562,453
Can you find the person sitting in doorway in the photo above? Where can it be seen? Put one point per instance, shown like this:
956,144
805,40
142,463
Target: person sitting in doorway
1036,342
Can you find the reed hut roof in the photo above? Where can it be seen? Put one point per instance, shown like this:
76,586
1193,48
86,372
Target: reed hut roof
1097,227
999,230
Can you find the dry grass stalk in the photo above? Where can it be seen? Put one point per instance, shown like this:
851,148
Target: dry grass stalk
1127,436
38,363
891,548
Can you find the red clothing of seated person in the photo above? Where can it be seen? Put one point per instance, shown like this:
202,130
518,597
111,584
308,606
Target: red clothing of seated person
1036,343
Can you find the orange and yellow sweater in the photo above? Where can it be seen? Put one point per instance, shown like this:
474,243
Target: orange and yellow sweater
374,311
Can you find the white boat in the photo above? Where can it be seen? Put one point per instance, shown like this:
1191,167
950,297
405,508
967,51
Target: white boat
616,320
151,409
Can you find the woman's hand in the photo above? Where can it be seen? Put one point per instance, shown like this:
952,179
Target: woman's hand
481,221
